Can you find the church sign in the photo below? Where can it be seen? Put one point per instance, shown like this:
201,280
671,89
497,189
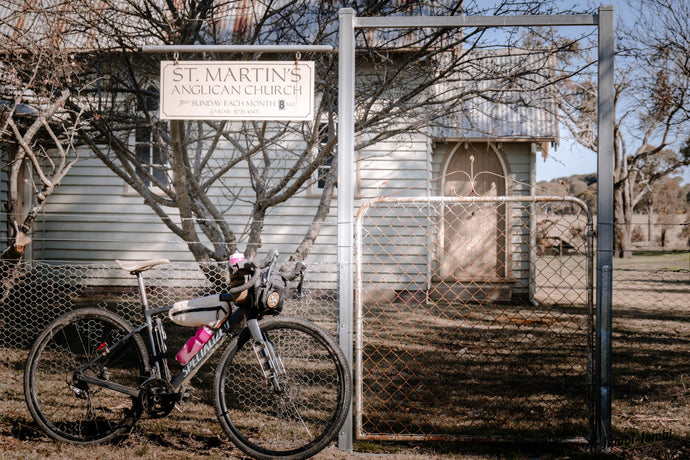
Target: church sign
237,90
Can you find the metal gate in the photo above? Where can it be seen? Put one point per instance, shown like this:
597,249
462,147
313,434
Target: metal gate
474,319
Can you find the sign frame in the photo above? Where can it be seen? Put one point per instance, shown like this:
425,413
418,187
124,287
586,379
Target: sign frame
237,90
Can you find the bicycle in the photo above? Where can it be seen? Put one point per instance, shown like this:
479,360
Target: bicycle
282,387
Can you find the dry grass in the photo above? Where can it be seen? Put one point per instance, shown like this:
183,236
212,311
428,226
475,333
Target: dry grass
651,356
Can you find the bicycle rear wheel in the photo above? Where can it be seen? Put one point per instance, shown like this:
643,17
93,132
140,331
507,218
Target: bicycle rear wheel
302,418
71,410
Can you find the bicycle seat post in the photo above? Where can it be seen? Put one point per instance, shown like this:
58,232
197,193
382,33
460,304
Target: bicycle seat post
142,289
147,317
136,269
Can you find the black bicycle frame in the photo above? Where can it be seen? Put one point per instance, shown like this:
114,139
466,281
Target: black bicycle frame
157,346
185,374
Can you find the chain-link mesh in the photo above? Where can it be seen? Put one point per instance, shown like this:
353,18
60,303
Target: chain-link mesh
645,287
474,319
651,326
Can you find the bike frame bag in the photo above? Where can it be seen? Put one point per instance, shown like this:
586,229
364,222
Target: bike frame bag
202,311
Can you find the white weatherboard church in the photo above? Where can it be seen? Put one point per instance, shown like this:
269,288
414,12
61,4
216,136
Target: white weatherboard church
489,149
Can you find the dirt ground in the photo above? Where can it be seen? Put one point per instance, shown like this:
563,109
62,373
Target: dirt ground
651,396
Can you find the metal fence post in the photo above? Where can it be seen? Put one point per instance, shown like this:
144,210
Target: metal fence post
346,133
605,164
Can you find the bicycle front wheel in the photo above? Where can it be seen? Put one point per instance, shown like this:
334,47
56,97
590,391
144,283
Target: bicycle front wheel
306,413
82,343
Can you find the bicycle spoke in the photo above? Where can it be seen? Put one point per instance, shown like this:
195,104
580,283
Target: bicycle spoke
301,418
69,409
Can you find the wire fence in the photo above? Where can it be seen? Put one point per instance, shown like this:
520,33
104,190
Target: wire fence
47,290
474,321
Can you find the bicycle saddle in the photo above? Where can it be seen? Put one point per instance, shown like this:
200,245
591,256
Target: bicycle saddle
140,266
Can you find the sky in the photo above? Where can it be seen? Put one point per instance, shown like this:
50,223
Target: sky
569,159
565,160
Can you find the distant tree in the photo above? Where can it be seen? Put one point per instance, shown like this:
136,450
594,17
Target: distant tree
579,186
591,179
666,223
685,232
589,196
665,196
652,91
663,199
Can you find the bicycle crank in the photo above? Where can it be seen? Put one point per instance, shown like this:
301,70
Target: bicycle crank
157,397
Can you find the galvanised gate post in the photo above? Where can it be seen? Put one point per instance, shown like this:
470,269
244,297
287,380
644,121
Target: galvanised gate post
348,23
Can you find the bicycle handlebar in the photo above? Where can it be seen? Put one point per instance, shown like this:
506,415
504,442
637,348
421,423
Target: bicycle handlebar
252,281
270,259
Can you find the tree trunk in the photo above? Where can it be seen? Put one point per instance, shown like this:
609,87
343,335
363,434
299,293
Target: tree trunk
304,248
622,221
255,229
650,216
181,187
215,273
25,163
10,268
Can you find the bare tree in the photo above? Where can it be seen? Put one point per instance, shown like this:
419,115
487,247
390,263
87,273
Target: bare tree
410,81
36,132
651,108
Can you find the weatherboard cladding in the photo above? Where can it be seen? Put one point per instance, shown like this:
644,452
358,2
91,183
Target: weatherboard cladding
94,217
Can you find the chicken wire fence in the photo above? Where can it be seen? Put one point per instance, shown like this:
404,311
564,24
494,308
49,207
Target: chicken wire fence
44,291
474,316
474,319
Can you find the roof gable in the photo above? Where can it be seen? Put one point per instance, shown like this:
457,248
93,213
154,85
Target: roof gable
514,97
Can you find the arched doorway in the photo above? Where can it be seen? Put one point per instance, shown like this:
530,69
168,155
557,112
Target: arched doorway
474,234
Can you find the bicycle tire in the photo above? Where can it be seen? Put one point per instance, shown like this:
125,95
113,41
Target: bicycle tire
73,411
306,415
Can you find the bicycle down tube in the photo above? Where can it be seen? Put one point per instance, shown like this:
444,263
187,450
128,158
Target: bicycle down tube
111,376
185,374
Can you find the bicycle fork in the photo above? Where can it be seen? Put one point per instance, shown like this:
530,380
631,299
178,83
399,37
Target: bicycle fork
269,361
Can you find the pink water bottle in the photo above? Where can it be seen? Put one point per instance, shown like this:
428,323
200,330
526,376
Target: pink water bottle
194,344
236,258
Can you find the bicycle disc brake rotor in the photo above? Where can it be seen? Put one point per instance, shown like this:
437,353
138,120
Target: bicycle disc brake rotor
157,397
